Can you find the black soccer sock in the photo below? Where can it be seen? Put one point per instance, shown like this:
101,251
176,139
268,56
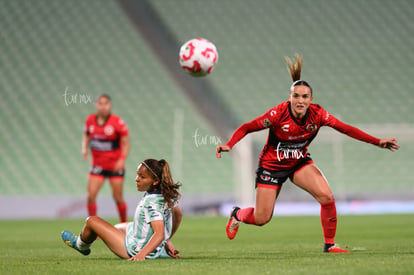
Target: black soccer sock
327,246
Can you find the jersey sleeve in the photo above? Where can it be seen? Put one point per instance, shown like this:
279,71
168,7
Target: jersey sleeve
122,128
155,212
262,122
351,131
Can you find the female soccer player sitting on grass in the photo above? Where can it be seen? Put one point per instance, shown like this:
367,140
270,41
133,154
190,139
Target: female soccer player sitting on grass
157,218
292,127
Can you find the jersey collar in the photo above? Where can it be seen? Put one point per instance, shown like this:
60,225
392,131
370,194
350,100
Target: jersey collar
96,120
156,191
303,121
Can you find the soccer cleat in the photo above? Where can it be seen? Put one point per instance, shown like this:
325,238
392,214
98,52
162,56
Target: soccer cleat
70,240
333,248
233,224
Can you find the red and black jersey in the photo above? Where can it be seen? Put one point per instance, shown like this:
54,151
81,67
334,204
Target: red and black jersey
105,140
289,138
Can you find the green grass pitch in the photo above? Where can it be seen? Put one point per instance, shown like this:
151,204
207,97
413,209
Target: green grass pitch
382,244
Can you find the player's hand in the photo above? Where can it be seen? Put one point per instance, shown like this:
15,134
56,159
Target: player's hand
171,251
137,257
389,143
85,154
119,165
222,148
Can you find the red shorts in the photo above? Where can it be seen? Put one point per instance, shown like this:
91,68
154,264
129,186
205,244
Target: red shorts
274,179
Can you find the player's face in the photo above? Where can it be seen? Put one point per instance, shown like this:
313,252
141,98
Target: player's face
145,181
103,106
300,99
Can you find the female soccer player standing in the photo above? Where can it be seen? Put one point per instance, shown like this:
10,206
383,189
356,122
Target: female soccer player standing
107,135
292,127
157,218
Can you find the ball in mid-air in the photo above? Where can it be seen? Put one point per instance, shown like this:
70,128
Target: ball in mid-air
198,57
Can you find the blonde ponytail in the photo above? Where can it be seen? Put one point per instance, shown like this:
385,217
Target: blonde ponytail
295,69
294,66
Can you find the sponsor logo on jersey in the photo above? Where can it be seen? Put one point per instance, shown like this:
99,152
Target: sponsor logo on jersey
311,127
108,130
295,137
272,113
267,123
285,128
103,145
290,150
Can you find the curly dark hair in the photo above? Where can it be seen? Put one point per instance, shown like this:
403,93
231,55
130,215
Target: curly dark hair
160,170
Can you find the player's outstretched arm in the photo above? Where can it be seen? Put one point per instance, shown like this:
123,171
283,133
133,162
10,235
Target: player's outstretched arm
389,143
256,124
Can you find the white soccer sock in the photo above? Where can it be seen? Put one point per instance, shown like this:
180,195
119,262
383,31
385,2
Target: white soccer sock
81,244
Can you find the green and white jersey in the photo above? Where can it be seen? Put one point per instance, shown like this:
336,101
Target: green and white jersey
151,208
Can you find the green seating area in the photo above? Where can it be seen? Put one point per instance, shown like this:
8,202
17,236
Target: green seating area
57,56
356,54
83,49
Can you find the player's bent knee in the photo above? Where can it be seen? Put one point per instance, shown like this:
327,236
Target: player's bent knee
91,220
262,219
88,220
325,198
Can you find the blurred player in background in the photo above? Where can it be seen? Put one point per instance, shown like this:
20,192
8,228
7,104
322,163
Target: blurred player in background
157,218
107,136
292,127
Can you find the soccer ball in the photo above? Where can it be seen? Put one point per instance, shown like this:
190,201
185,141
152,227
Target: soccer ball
198,57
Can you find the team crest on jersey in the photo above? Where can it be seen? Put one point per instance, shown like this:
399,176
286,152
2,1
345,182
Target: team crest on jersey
91,128
109,130
311,127
267,123
285,128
